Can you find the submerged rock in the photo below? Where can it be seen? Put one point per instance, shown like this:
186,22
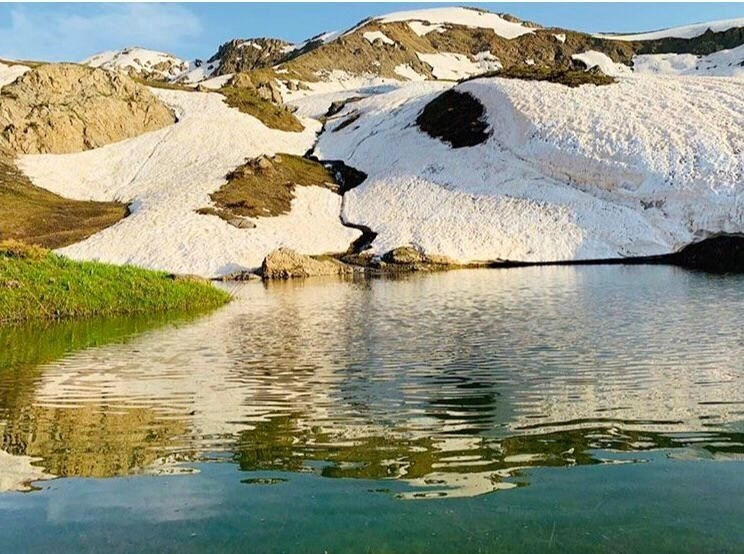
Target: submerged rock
285,263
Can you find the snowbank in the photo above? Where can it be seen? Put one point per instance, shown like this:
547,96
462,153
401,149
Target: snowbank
448,65
725,63
592,58
460,16
407,72
9,73
687,31
168,174
372,36
641,167
422,28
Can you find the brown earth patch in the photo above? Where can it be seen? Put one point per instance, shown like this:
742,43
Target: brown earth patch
264,187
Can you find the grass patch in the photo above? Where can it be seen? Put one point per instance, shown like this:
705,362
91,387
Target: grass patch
455,117
264,187
272,115
567,77
161,84
37,284
37,216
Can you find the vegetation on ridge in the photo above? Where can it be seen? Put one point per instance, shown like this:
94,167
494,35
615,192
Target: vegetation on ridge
567,77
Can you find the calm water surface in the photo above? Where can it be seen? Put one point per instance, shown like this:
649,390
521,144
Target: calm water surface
567,408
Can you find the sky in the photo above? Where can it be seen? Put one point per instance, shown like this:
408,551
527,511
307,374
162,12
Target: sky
72,32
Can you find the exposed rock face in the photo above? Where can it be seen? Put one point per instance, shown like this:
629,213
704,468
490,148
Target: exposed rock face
248,54
62,108
266,89
285,263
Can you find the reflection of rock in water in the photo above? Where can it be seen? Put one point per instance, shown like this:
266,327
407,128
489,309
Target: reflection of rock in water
450,381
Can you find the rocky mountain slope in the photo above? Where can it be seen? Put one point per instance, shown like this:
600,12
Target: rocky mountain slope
568,147
68,108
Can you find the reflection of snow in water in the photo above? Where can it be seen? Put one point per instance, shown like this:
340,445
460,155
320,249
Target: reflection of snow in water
461,360
17,472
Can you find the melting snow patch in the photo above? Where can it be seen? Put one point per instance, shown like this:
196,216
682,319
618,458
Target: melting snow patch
448,65
726,63
461,16
372,36
9,73
140,60
487,61
421,28
406,71
561,37
592,58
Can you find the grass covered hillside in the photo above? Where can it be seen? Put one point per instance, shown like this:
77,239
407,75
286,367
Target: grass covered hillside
37,284
37,216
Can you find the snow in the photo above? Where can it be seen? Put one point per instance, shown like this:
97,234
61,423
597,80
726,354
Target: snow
372,36
725,63
250,43
9,73
560,37
421,28
461,16
196,74
687,31
17,472
139,59
407,72
448,65
215,83
592,58
487,61
641,167
316,98
168,174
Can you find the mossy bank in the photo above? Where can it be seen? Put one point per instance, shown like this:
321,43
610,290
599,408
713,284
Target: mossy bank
38,284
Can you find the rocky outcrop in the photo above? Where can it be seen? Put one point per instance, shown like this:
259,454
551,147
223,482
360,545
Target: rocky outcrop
249,54
62,108
266,89
285,263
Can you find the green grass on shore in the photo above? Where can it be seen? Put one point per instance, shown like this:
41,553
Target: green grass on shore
37,284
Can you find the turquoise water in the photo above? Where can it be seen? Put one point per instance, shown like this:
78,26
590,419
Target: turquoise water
567,408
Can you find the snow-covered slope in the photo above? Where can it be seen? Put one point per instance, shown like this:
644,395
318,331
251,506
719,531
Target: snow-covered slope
641,167
726,63
437,17
686,31
143,62
168,174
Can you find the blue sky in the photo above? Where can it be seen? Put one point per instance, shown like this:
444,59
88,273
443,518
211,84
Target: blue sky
75,31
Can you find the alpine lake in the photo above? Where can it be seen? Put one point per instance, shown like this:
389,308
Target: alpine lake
567,409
